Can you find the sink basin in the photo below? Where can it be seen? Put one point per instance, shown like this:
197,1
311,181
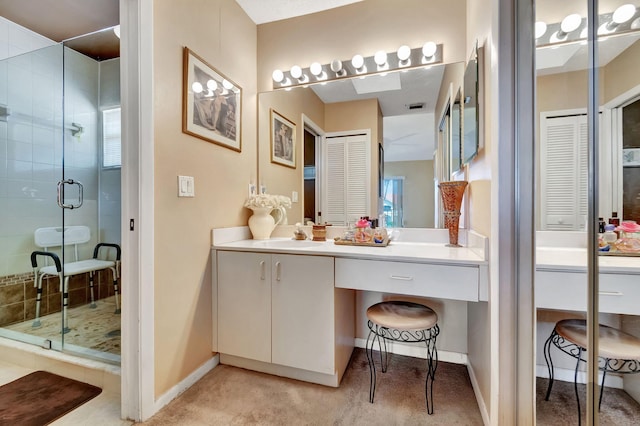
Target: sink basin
286,244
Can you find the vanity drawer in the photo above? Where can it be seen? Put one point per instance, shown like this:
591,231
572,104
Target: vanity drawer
416,279
619,293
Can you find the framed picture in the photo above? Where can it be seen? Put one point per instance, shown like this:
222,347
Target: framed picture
211,103
283,140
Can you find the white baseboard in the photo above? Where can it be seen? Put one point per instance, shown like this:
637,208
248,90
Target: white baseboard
417,351
185,384
476,390
567,375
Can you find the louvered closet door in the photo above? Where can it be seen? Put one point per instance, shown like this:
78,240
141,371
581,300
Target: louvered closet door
564,173
347,180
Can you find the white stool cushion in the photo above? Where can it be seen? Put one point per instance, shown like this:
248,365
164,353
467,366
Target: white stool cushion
402,315
614,343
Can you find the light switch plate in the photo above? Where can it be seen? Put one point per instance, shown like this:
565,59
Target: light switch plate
186,186
294,196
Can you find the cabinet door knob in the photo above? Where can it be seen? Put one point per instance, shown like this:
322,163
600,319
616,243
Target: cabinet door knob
262,270
277,271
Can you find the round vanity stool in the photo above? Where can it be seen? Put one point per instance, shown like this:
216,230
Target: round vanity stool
619,351
402,322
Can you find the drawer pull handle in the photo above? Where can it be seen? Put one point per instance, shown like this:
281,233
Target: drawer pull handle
262,270
277,271
401,278
611,293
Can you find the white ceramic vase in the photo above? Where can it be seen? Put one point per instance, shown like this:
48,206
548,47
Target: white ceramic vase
261,223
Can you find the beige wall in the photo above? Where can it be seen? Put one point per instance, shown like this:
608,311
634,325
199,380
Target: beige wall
364,28
481,326
418,191
221,33
622,74
292,105
359,115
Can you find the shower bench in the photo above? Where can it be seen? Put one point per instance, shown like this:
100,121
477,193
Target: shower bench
50,237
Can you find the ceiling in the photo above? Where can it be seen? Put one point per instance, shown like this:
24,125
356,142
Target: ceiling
263,11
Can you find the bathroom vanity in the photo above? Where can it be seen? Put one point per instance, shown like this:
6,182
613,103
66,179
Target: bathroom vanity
287,307
561,276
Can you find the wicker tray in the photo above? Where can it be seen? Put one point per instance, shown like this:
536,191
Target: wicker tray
340,242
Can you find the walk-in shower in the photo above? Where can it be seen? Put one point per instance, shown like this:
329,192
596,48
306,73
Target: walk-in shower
59,167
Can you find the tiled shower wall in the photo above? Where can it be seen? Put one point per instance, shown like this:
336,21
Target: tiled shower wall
31,87
18,295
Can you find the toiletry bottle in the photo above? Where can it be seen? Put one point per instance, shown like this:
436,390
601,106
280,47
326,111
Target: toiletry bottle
614,220
609,235
601,224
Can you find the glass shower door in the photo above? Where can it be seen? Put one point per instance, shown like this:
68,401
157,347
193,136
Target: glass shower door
31,162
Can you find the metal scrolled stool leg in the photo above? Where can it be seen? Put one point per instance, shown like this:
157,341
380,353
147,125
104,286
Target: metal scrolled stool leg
619,352
402,322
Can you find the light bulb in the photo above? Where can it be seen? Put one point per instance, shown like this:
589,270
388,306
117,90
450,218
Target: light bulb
227,84
429,49
623,13
380,57
277,76
357,61
541,28
296,71
571,23
197,87
316,68
212,85
336,65
404,52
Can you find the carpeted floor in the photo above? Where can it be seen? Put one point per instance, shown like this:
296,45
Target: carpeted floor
618,408
233,396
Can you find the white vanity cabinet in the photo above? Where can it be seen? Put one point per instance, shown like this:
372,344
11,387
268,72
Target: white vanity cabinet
244,304
278,309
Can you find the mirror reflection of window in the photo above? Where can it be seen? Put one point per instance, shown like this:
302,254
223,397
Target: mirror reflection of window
392,196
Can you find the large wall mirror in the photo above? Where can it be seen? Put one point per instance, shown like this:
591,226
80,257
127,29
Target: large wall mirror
400,109
561,113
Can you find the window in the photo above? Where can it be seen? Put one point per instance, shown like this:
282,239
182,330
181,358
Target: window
392,198
111,141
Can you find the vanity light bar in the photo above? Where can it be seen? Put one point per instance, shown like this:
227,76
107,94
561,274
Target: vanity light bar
625,19
359,66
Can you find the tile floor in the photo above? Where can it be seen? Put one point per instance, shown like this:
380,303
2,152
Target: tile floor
97,329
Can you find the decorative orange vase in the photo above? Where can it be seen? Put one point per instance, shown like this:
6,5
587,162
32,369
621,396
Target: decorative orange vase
452,193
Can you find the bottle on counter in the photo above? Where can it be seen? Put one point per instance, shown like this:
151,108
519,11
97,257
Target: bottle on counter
601,224
614,219
609,234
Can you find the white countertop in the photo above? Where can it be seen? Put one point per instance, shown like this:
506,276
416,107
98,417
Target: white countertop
396,251
575,259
